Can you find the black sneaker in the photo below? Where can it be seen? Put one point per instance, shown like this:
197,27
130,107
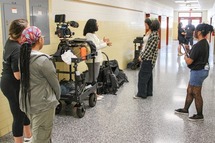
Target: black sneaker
196,117
181,111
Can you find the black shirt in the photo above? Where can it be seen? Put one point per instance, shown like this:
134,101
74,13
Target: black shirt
189,30
199,54
10,57
181,37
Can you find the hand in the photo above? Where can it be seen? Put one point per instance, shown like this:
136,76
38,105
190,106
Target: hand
106,40
140,59
185,57
109,43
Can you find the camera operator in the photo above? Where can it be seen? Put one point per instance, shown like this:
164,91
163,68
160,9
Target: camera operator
89,31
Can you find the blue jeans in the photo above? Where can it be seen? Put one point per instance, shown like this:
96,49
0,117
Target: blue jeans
198,76
145,80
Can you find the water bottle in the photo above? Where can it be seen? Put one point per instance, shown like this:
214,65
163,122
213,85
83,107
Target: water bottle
83,52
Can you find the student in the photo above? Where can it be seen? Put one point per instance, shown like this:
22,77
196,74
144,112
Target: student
10,80
40,89
90,30
199,69
189,32
181,38
148,58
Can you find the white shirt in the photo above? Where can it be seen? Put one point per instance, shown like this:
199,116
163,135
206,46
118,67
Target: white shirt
145,39
99,45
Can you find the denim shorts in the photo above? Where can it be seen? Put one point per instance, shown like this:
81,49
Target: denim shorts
198,76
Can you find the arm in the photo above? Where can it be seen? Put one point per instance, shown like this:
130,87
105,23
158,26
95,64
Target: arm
49,72
17,75
14,63
188,61
100,44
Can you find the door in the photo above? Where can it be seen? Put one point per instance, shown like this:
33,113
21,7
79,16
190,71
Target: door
10,13
40,19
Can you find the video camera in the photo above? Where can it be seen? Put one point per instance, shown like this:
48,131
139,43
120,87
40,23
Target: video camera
62,29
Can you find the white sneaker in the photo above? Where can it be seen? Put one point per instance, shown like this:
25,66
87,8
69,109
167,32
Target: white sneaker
28,140
100,97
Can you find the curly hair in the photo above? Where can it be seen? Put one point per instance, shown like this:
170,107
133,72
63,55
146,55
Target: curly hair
90,27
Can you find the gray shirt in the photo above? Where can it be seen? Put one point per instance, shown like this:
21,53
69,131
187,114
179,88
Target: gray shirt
44,85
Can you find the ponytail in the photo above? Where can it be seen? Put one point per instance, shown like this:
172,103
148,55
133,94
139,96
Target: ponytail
25,52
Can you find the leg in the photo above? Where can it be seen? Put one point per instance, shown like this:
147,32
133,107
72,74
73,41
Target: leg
42,124
27,131
198,99
179,50
91,71
143,78
191,41
188,101
150,86
189,97
12,94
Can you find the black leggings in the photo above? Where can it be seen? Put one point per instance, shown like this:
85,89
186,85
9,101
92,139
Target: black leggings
10,88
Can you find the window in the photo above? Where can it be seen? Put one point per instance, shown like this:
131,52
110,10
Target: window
183,14
199,14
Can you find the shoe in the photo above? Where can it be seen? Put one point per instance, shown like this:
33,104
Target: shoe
99,97
139,97
88,86
181,111
196,117
27,140
136,97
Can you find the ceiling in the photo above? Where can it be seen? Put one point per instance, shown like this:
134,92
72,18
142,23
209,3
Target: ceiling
204,4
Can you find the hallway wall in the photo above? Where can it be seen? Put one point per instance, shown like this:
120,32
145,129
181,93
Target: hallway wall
121,21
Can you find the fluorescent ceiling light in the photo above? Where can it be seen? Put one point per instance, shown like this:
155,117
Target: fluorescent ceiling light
186,1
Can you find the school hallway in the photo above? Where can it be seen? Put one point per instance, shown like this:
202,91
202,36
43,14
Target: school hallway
122,119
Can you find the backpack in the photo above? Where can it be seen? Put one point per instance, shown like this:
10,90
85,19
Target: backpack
110,77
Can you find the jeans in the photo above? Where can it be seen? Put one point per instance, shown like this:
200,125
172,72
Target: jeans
197,77
145,80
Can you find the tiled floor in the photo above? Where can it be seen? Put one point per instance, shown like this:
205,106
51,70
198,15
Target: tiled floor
122,119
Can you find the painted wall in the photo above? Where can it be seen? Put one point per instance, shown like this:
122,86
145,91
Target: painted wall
119,20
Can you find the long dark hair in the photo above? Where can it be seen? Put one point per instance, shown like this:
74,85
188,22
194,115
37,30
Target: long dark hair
25,53
90,27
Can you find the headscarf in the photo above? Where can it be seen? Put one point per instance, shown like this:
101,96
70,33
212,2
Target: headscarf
30,35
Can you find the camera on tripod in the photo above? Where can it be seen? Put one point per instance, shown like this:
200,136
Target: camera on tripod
62,29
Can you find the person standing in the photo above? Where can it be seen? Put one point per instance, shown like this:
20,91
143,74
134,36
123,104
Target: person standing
10,80
198,63
181,38
189,29
89,32
148,58
40,89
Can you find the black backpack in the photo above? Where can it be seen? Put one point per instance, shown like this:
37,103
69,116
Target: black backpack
110,77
